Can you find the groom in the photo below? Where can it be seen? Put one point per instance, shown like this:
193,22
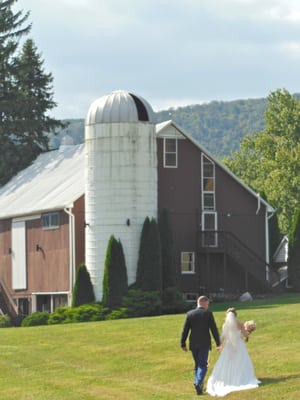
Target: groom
199,323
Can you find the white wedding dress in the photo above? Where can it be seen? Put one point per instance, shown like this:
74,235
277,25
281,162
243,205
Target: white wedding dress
233,370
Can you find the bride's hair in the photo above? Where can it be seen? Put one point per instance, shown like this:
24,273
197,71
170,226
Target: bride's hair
231,309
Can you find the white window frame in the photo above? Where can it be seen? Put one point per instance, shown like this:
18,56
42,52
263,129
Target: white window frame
166,165
52,224
203,177
209,239
191,262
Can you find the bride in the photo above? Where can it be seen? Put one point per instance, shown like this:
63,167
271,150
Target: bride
234,370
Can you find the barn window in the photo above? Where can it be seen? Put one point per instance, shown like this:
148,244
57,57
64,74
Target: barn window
170,153
50,220
208,184
187,262
209,229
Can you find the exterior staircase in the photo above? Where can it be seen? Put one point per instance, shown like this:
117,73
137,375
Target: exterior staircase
227,243
7,306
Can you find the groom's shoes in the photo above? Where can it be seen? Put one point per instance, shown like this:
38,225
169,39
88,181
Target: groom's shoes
199,389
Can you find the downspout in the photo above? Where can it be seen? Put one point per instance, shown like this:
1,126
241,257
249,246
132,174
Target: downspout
71,251
258,203
268,244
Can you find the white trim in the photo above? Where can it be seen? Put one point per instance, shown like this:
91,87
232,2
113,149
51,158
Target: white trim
72,260
175,152
203,191
191,261
203,228
27,218
19,256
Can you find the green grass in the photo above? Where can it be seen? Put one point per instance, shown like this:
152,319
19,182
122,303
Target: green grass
140,359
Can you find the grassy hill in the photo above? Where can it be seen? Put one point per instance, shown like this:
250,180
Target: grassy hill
140,359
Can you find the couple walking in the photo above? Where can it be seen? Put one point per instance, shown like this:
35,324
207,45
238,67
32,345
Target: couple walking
233,370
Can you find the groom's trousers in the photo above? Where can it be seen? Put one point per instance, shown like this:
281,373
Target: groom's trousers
200,359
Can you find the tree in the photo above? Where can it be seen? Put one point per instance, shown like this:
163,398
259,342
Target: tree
269,161
294,251
149,270
169,275
115,282
83,291
25,95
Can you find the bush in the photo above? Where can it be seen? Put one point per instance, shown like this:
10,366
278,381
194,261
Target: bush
141,304
5,321
83,291
36,318
118,313
83,313
62,315
173,302
115,281
90,312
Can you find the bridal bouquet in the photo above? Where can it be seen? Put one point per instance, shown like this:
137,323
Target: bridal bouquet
249,326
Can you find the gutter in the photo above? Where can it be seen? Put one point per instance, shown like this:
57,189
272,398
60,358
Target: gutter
71,251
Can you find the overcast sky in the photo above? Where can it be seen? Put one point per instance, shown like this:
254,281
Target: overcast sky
171,52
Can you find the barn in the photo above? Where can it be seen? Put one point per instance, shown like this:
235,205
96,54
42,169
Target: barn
62,209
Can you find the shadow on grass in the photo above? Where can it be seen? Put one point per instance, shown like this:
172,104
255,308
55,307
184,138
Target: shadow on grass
282,378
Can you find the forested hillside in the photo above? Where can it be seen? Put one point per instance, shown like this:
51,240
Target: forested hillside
218,125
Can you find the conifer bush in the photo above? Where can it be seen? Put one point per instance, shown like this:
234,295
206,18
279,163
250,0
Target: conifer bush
294,252
83,291
36,318
115,281
5,321
149,270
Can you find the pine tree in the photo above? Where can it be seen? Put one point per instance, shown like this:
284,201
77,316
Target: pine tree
143,254
294,252
83,291
169,274
25,95
115,283
149,271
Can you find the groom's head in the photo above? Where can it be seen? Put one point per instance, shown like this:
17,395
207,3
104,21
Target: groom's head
203,301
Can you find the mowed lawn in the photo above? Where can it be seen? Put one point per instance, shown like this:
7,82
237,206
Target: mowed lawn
141,358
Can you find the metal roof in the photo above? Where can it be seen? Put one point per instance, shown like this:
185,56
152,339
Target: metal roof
119,106
53,181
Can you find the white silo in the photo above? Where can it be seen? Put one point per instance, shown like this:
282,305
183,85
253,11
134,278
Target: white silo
121,178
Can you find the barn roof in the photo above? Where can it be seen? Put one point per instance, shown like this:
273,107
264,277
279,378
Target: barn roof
53,181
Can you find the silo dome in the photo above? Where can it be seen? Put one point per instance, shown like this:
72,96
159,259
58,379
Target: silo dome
119,106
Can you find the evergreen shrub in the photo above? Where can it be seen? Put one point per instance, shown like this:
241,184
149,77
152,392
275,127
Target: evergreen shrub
119,313
5,321
83,291
173,301
83,313
36,318
140,303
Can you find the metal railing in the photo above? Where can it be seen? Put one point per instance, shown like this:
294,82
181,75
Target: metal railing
12,308
228,243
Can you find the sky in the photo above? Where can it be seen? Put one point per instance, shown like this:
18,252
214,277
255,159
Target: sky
171,52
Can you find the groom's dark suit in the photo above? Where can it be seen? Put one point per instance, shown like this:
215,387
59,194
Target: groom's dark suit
199,323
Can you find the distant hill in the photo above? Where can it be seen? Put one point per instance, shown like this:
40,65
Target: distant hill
218,126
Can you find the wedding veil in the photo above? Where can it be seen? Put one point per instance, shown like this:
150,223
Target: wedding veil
230,331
